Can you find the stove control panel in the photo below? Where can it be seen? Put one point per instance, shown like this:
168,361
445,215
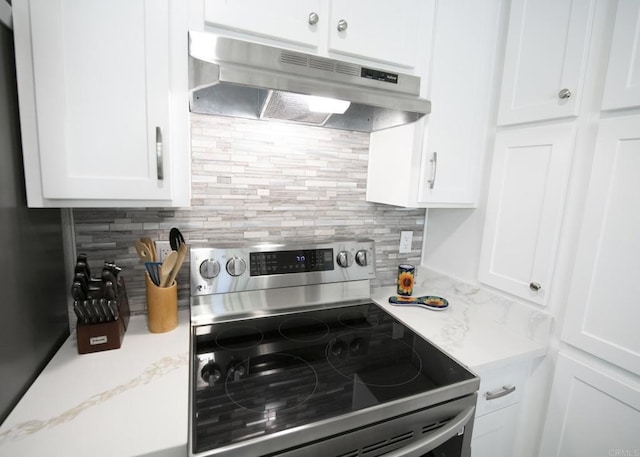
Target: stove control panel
236,269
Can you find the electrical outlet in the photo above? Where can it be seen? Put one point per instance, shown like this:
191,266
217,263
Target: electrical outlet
163,248
405,242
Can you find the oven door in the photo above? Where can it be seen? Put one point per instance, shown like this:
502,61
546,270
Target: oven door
440,431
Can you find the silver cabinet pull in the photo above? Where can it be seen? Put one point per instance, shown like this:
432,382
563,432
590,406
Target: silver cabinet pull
564,93
342,25
434,170
313,18
534,286
506,390
159,166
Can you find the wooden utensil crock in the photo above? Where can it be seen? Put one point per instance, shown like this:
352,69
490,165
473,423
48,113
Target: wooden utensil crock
162,307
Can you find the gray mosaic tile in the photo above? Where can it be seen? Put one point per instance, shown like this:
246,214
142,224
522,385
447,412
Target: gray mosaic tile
255,181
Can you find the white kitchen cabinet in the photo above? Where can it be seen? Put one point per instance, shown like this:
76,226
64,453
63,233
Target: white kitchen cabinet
592,411
546,58
493,434
622,87
436,161
498,410
395,34
525,205
103,102
296,21
602,312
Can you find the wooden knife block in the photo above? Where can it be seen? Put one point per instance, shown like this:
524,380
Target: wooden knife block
105,336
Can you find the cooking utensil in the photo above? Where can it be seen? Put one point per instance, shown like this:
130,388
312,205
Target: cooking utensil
167,268
182,253
143,251
175,239
151,245
153,268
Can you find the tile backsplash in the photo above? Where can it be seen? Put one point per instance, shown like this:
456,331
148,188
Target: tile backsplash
258,181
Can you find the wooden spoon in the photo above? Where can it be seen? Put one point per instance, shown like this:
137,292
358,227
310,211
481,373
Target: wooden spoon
182,253
143,251
167,268
151,245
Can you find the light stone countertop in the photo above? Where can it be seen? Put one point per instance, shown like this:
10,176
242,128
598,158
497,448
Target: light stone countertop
483,330
134,401
131,401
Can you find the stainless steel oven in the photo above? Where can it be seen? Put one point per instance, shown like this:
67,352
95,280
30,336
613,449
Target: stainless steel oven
289,357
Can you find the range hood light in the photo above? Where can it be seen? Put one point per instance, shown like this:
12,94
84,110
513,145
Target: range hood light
327,105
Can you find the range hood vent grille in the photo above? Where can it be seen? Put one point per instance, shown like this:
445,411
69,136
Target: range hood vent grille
319,63
294,59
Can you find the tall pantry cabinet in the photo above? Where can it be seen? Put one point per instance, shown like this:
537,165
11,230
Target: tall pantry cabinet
564,193
594,407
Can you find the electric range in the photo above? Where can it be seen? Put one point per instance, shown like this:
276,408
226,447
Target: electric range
290,357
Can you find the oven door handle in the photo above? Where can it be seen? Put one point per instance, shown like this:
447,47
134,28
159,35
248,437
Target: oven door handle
434,440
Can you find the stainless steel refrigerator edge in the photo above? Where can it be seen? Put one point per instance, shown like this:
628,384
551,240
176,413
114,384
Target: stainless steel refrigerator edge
33,310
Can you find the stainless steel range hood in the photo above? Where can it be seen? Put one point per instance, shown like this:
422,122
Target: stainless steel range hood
237,78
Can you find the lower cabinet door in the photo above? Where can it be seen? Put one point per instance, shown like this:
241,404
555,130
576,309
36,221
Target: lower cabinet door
594,410
494,433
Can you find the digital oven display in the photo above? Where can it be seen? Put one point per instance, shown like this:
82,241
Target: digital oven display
284,262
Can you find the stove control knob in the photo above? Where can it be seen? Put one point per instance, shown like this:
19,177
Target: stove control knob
344,259
361,258
209,269
236,266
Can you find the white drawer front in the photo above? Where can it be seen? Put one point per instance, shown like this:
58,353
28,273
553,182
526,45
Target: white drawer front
501,388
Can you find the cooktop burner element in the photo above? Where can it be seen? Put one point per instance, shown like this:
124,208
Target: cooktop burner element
290,352
357,320
243,337
292,381
397,363
303,329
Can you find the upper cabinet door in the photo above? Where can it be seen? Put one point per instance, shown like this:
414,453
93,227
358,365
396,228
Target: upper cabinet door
545,60
100,88
524,210
395,33
603,313
296,21
622,87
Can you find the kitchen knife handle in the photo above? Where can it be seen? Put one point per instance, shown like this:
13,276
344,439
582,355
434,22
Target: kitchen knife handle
159,164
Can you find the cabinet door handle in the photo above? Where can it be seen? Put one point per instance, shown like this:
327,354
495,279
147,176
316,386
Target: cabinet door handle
159,165
506,390
342,25
534,286
313,18
434,170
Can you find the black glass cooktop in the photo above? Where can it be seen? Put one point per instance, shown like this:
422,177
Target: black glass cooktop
260,376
